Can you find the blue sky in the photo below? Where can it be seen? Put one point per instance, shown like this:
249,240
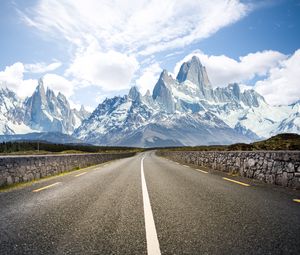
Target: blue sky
91,49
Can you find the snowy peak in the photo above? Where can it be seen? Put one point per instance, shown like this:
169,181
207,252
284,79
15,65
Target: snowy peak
195,72
40,87
83,113
162,92
165,81
148,93
11,113
44,111
39,95
134,94
186,111
235,89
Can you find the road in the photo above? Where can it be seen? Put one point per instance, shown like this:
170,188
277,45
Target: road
148,205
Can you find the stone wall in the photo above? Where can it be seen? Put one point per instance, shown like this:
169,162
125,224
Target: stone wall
276,167
15,169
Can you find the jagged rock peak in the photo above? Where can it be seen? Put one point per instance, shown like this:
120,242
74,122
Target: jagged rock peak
50,93
61,97
196,60
134,93
195,72
164,73
82,109
235,88
163,84
165,76
148,93
40,87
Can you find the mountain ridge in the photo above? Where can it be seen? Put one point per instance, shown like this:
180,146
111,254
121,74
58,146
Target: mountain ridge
43,111
182,111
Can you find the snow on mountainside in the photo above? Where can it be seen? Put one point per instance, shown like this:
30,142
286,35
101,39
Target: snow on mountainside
42,112
45,111
11,114
187,111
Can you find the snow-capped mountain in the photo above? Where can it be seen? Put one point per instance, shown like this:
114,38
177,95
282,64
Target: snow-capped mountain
11,113
42,112
45,111
187,111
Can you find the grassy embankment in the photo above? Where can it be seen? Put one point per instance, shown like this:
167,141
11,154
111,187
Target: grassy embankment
279,142
42,148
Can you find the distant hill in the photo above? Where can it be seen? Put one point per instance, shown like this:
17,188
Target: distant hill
286,141
51,137
43,147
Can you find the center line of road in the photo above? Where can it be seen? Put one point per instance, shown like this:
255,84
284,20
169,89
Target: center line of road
151,235
202,171
77,175
46,187
296,200
237,182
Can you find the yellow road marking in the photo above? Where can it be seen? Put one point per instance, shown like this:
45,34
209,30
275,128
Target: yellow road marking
46,187
237,182
77,175
296,200
202,171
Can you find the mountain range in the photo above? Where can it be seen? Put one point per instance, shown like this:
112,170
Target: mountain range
185,110
42,112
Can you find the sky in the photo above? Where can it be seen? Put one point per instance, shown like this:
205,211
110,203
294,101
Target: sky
93,49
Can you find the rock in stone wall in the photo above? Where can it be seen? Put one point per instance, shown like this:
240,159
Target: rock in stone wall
276,167
15,169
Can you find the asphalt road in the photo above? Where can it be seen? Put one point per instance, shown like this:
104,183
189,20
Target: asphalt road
147,204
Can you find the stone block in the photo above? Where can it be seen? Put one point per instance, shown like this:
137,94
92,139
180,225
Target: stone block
284,179
270,178
251,162
290,168
9,180
278,179
2,180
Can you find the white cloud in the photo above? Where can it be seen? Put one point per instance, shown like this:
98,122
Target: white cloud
148,78
42,67
278,73
13,73
109,36
223,70
111,71
12,78
145,26
282,86
58,84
